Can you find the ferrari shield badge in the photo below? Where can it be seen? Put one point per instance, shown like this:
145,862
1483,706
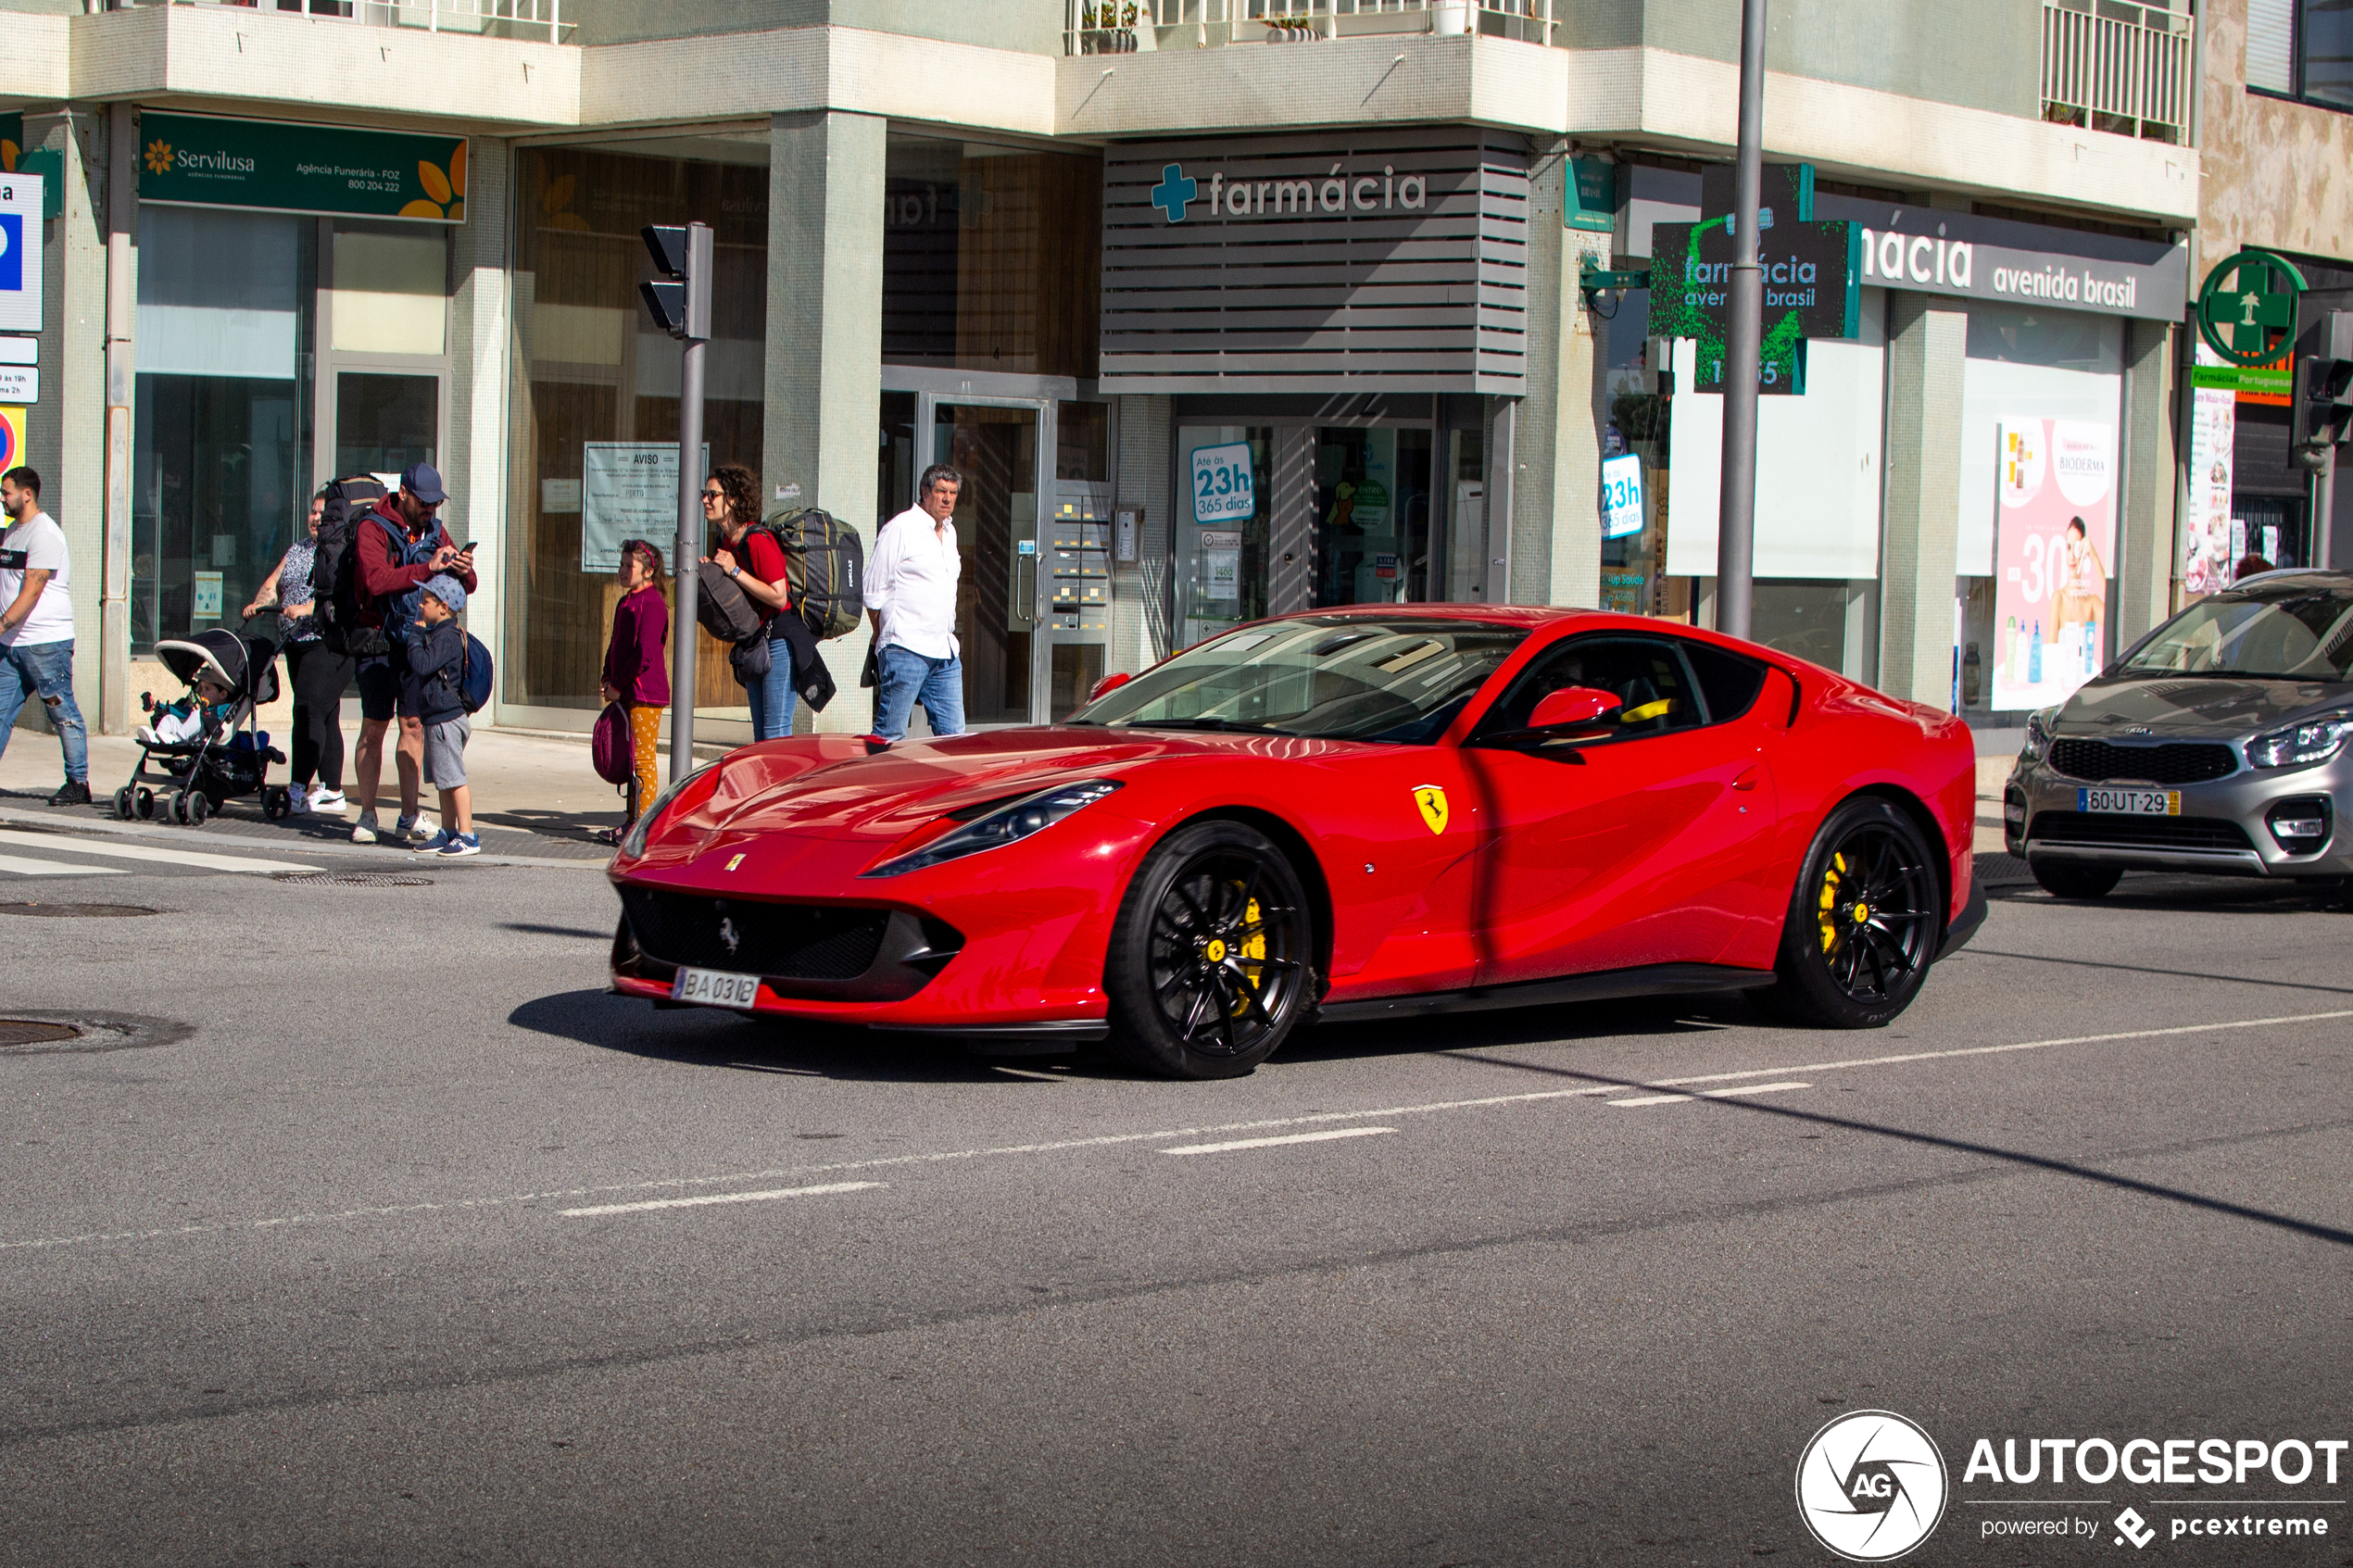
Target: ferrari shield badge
1432,800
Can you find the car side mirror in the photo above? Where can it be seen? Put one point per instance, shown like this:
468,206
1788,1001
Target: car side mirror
1109,684
1575,709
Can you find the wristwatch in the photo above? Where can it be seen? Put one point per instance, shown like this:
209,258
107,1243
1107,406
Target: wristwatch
734,572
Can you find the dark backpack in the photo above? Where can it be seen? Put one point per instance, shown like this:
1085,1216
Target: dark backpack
473,675
825,570
724,610
335,570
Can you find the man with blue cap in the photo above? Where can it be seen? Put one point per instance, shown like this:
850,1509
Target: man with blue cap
400,545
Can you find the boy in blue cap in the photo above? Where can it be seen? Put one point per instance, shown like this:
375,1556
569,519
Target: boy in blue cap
430,689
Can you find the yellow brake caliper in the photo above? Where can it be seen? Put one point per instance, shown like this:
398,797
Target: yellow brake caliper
1831,879
1252,952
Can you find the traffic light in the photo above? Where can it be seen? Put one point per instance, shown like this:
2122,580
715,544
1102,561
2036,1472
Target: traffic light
679,298
2322,398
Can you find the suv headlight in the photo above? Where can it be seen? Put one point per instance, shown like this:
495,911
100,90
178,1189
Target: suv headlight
1003,826
2313,740
2038,734
633,843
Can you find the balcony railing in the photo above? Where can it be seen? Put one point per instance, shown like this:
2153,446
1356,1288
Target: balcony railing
1120,27
496,19
2114,64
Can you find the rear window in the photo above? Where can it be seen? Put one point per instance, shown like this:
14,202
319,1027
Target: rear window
1729,682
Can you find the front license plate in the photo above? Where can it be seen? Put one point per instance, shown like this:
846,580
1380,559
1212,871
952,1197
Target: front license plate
714,988
2130,802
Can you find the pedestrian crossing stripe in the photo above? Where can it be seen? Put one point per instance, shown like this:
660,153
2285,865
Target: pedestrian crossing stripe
130,850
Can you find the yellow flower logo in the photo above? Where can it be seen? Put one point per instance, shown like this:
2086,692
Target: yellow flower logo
8,151
447,190
159,157
555,206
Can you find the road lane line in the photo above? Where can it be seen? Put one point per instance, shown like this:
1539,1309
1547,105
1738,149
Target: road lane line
67,843
1114,1140
23,867
1711,1093
1325,1136
720,1198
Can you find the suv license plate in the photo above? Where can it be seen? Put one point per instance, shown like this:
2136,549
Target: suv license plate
714,988
2130,802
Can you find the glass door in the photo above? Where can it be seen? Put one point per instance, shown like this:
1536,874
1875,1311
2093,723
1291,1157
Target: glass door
384,422
996,446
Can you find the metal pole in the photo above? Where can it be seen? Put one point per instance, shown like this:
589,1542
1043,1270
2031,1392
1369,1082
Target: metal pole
1736,512
685,637
2323,510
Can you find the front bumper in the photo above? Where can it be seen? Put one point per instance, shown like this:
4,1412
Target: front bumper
2225,826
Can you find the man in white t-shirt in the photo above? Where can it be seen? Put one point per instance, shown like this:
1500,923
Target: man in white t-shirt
911,598
36,628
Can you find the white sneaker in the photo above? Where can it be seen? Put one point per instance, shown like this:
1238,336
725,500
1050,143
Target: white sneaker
326,802
364,830
412,830
146,735
298,799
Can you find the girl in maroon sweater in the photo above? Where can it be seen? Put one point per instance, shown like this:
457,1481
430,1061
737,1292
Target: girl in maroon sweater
637,667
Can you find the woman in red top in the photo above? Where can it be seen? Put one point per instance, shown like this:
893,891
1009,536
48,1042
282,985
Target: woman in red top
638,667
750,557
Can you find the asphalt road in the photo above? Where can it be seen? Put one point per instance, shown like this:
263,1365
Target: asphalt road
358,1226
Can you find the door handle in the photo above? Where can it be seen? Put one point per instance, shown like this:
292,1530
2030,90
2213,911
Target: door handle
1747,779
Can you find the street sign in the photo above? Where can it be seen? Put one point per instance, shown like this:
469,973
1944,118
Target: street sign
2247,311
1592,195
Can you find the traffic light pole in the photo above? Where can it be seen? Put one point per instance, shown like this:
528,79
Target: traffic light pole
1736,510
2323,510
679,300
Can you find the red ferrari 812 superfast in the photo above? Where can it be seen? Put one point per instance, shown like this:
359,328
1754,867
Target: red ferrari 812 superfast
1341,814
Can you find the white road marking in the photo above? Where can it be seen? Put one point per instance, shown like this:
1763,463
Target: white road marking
130,850
1113,1140
23,867
1713,1094
1325,1136
720,1197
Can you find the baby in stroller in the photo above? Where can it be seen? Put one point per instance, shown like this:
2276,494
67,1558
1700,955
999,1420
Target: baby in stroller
194,748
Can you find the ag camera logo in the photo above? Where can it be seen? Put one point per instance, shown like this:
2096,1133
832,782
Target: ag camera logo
1871,1485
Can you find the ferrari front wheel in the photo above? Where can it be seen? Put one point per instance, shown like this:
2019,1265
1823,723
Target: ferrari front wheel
1863,922
1208,969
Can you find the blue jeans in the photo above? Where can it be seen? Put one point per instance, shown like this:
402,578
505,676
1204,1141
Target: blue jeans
905,678
771,694
45,670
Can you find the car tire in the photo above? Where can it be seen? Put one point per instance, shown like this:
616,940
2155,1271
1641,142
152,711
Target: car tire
1864,921
2070,879
1209,962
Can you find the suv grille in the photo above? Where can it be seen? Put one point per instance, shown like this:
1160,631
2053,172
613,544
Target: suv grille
787,941
2208,833
2181,762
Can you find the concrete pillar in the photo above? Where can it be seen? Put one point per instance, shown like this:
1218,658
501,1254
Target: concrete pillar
1927,349
481,336
824,388
1577,440
2146,551
65,432
1140,634
1535,423
112,714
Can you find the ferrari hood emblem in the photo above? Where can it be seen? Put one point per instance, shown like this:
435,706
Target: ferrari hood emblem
1432,800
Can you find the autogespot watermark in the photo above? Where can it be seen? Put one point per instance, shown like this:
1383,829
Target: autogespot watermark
1872,1485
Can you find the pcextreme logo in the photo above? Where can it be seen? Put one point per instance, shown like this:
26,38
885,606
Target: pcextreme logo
1871,1485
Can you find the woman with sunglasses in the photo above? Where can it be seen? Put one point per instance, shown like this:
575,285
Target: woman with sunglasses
752,559
637,670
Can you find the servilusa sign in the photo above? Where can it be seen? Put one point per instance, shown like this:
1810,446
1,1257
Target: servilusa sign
272,165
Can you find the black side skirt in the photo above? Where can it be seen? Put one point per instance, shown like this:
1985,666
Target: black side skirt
1647,980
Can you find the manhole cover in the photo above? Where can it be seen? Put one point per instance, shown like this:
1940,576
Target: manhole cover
351,879
30,1032
78,911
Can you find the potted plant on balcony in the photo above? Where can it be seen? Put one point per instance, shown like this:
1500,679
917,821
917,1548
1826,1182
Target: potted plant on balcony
1109,27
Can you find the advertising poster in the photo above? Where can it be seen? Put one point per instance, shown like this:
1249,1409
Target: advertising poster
1221,564
628,490
1621,496
2054,540
2206,556
19,253
1222,489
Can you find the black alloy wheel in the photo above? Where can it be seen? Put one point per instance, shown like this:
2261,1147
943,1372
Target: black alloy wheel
1208,965
1864,921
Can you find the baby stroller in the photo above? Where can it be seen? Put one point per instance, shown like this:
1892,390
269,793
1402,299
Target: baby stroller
209,767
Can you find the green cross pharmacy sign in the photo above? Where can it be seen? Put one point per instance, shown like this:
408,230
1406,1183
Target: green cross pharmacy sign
2247,311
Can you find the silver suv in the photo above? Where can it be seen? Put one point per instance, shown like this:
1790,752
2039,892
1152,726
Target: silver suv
2218,743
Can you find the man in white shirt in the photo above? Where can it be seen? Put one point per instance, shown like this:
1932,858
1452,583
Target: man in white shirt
36,628
911,599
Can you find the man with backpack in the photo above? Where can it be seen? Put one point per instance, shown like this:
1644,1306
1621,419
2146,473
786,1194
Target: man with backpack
394,549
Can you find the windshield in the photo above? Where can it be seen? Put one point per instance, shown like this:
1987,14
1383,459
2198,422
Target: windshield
2296,633
1336,678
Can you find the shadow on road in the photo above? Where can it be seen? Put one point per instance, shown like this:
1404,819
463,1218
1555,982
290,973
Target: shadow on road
1635,1016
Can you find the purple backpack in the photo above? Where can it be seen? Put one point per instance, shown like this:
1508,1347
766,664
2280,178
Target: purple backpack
612,747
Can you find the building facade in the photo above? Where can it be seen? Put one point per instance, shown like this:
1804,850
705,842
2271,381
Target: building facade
1225,306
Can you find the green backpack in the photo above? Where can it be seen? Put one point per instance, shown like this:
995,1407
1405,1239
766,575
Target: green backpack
825,570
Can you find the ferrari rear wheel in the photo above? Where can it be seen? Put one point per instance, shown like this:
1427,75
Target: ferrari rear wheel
1209,959
1863,921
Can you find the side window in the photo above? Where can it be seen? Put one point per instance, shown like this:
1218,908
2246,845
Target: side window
1729,681
1647,675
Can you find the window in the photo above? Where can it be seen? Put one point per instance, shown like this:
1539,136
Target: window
2301,49
1647,676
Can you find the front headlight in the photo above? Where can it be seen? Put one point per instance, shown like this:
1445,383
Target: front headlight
2038,733
633,843
2313,740
1003,826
